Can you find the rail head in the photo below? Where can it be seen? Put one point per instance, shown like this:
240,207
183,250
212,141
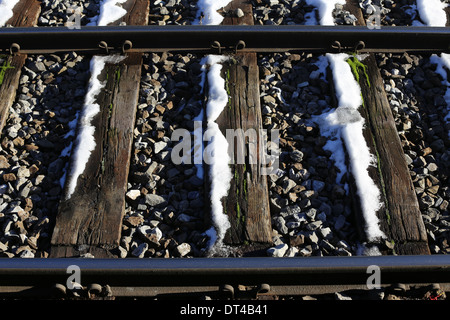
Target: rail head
205,38
217,271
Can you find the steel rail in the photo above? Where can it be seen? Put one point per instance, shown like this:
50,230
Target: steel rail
219,271
224,38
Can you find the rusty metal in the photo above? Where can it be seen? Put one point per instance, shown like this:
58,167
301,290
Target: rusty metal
127,46
104,47
240,45
14,48
215,45
360,46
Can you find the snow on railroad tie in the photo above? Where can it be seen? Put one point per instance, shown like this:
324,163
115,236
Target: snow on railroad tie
6,10
85,142
220,175
344,126
216,152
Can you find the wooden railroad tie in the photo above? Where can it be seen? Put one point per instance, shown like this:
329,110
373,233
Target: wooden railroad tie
90,221
400,218
25,14
247,203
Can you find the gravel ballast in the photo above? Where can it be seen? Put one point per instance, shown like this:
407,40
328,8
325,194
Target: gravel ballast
32,156
165,213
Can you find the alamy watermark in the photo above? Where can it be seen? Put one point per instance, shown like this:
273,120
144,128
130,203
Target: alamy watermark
74,280
374,20
374,280
74,19
249,147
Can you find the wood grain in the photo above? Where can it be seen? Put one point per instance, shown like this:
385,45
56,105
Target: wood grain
93,214
90,221
400,218
9,86
402,221
25,14
247,203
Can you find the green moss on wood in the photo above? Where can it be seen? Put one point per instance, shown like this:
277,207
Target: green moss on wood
6,65
357,67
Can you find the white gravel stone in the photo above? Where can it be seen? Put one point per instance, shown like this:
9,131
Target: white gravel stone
26,254
154,200
277,251
159,146
183,249
133,194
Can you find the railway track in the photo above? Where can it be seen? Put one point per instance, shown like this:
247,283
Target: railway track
102,148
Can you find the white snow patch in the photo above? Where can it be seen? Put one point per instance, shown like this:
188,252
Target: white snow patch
344,126
325,8
216,152
198,145
85,142
367,250
110,11
310,18
6,10
334,143
347,89
72,126
217,95
443,64
432,12
67,151
220,177
207,12
322,64
360,160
